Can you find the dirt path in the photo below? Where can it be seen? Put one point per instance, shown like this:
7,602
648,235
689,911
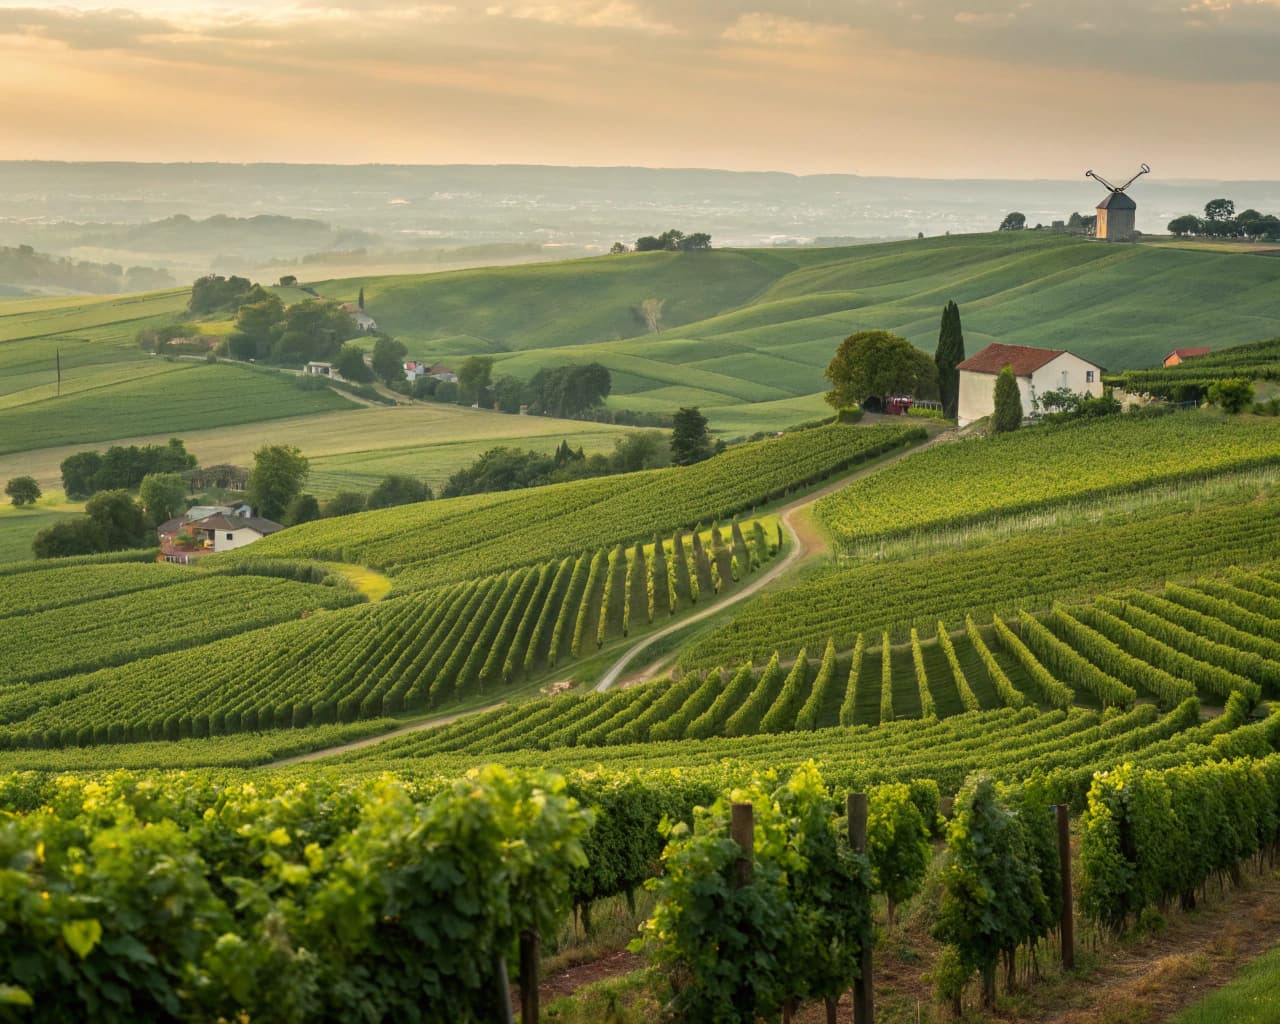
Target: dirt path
806,540
431,723
1145,981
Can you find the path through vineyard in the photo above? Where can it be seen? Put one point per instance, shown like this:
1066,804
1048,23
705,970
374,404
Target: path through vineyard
432,723
806,541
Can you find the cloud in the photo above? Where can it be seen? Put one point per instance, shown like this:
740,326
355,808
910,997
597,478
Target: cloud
610,14
106,29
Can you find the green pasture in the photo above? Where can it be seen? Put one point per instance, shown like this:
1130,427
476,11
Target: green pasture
1250,997
195,395
743,334
437,461
355,449
753,326
19,526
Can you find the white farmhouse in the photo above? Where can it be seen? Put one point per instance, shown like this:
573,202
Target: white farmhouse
209,529
1037,370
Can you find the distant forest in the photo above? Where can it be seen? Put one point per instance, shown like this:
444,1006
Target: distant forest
23,266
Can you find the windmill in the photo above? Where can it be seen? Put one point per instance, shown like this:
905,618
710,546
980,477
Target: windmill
1117,213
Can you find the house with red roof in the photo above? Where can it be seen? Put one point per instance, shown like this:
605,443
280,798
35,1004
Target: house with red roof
1037,370
1179,355
209,529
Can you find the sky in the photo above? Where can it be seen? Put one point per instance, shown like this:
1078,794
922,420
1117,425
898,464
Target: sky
923,88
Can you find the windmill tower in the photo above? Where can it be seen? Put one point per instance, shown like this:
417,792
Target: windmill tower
1117,213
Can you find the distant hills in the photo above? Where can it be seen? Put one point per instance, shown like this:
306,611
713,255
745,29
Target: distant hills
572,206
760,325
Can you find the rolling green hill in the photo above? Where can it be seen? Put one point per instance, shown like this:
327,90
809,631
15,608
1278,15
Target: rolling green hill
759,326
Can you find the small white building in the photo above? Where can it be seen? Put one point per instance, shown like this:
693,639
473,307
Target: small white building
1037,370
319,369
364,322
209,529
413,370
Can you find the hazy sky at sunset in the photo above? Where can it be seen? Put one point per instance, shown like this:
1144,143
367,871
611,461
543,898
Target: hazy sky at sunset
982,88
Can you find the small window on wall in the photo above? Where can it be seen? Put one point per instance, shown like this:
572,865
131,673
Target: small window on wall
1088,376
231,536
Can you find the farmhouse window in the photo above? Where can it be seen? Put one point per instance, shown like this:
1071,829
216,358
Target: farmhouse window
230,536
1088,376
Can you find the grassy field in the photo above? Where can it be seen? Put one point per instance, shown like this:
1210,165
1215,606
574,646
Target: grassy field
360,446
19,526
759,326
1249,999
195,395
743,334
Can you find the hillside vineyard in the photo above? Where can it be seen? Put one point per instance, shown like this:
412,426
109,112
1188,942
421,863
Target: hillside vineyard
382,766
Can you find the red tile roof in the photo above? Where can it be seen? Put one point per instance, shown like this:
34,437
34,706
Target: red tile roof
1189,353
1024,359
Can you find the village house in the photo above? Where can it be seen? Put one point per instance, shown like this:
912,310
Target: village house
210,529
1180,355
414,369
363,320
439,371
319,369
1037,370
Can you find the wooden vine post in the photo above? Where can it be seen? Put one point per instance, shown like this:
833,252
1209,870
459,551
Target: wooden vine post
864,1011
504,989
1064,860
529,949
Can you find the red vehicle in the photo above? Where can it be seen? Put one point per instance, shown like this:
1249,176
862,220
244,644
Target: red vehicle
897,405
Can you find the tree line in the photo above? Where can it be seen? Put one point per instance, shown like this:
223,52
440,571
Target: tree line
671,240
1221,220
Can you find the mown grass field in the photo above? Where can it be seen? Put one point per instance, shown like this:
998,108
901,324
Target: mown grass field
759,326
355,449
744,335
195,395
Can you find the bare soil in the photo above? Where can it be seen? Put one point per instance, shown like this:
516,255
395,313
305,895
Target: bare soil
1143,980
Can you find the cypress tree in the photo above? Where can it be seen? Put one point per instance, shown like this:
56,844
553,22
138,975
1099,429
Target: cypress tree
638,588
684,591
722,558
360,300
949,355
761,545
740,551
663,598
1008,403
702,565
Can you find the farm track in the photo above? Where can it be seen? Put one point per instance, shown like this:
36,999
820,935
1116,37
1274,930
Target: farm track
806,541
404,730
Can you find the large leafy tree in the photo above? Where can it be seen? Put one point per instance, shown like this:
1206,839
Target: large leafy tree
473,378
398,490
879,363
351,365
388,359
121,519
23,490
258,327
79,536
1008,403
1014,222
690,441
949,355
163,495
279,471
314,329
